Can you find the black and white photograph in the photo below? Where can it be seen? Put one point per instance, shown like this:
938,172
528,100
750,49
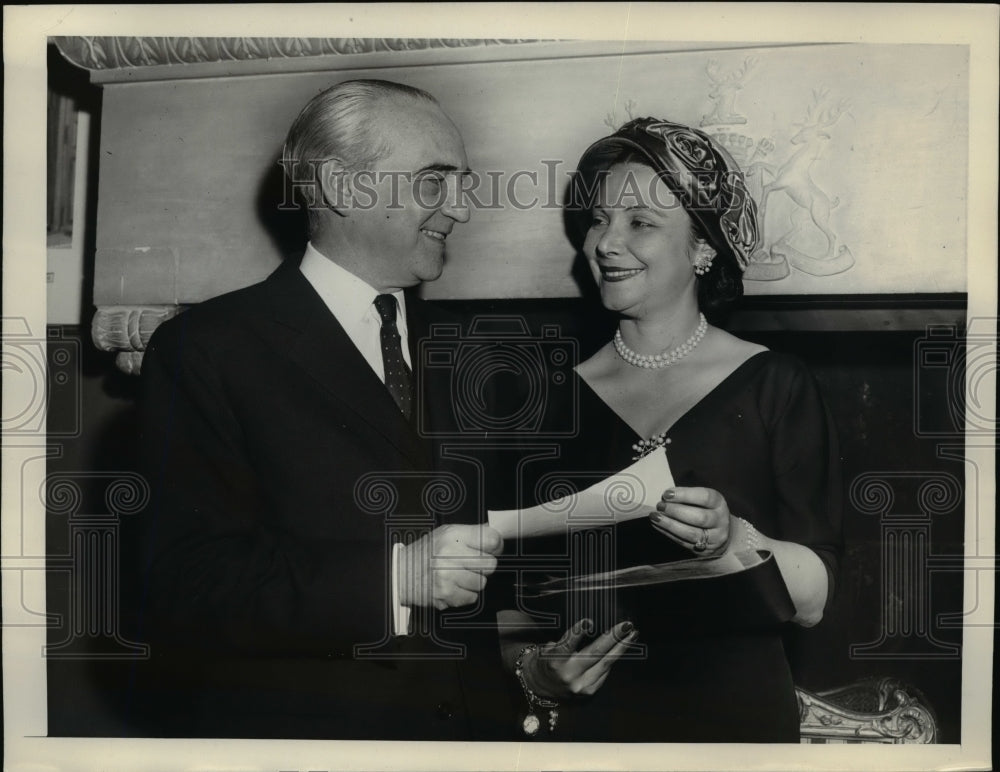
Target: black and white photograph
522,386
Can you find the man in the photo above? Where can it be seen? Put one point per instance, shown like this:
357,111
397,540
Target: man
279,424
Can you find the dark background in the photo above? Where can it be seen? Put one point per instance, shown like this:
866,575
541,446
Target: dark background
872,381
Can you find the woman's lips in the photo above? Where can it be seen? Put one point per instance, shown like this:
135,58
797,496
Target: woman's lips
619,274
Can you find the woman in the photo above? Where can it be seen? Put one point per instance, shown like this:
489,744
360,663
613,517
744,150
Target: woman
750,445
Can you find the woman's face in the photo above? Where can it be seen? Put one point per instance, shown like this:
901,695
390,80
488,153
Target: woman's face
639,244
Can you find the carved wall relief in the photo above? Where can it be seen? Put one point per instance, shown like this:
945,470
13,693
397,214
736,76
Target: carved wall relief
856,156
724,91
813,206
782,244
800,233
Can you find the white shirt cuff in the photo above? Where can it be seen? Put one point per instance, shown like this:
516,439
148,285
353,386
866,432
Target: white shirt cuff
400,614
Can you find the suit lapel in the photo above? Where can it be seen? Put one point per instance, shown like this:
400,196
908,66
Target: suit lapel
432,388
315,341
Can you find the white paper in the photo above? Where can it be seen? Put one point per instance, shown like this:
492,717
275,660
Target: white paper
630,494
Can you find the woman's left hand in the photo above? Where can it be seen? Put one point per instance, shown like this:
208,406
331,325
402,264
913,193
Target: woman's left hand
696,518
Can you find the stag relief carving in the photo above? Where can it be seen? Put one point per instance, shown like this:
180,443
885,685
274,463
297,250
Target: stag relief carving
611,120
812,205
724,91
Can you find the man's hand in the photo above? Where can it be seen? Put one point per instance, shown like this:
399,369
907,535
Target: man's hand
448,567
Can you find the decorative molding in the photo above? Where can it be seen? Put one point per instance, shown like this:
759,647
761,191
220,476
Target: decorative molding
883,710
127,330
110,53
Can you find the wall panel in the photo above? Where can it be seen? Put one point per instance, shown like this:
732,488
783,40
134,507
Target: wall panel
865,143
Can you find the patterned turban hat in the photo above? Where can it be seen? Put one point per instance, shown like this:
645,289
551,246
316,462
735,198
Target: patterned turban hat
701,174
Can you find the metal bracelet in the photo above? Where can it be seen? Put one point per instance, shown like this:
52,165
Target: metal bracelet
531,722
753,535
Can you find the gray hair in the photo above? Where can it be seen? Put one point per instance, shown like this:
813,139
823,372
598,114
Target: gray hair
337,123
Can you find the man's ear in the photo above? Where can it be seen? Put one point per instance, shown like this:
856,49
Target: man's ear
335,186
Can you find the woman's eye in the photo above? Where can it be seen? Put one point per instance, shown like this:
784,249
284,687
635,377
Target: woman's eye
597,222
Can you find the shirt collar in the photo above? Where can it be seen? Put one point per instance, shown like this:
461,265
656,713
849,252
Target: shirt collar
349,298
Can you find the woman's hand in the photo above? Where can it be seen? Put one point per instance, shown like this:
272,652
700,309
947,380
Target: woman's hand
693,515
696,518
562,670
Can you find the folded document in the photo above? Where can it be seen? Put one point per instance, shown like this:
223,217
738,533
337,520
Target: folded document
630,494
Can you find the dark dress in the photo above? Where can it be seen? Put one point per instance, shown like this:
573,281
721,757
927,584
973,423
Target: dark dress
764,439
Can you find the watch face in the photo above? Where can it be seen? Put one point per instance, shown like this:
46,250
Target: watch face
531,724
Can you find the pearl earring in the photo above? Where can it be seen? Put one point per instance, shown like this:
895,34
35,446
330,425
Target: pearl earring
703,262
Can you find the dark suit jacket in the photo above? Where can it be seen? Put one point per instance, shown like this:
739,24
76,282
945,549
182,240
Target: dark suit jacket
266,543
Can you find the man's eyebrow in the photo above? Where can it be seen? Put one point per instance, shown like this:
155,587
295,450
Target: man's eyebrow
445,168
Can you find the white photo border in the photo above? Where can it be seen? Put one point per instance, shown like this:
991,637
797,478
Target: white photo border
26,30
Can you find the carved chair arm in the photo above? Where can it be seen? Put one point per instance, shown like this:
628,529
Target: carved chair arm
876,710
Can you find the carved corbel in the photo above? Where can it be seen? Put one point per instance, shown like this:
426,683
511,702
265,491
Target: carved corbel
127,330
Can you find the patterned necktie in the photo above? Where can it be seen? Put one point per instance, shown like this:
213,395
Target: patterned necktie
397,374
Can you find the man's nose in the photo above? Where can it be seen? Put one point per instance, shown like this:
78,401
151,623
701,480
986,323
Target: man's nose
456,207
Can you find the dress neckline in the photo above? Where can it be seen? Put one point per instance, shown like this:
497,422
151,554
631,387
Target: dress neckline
710,394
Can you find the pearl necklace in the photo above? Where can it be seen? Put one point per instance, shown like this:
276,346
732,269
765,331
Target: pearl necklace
665,358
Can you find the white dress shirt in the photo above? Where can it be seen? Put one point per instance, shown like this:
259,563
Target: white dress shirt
352,302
